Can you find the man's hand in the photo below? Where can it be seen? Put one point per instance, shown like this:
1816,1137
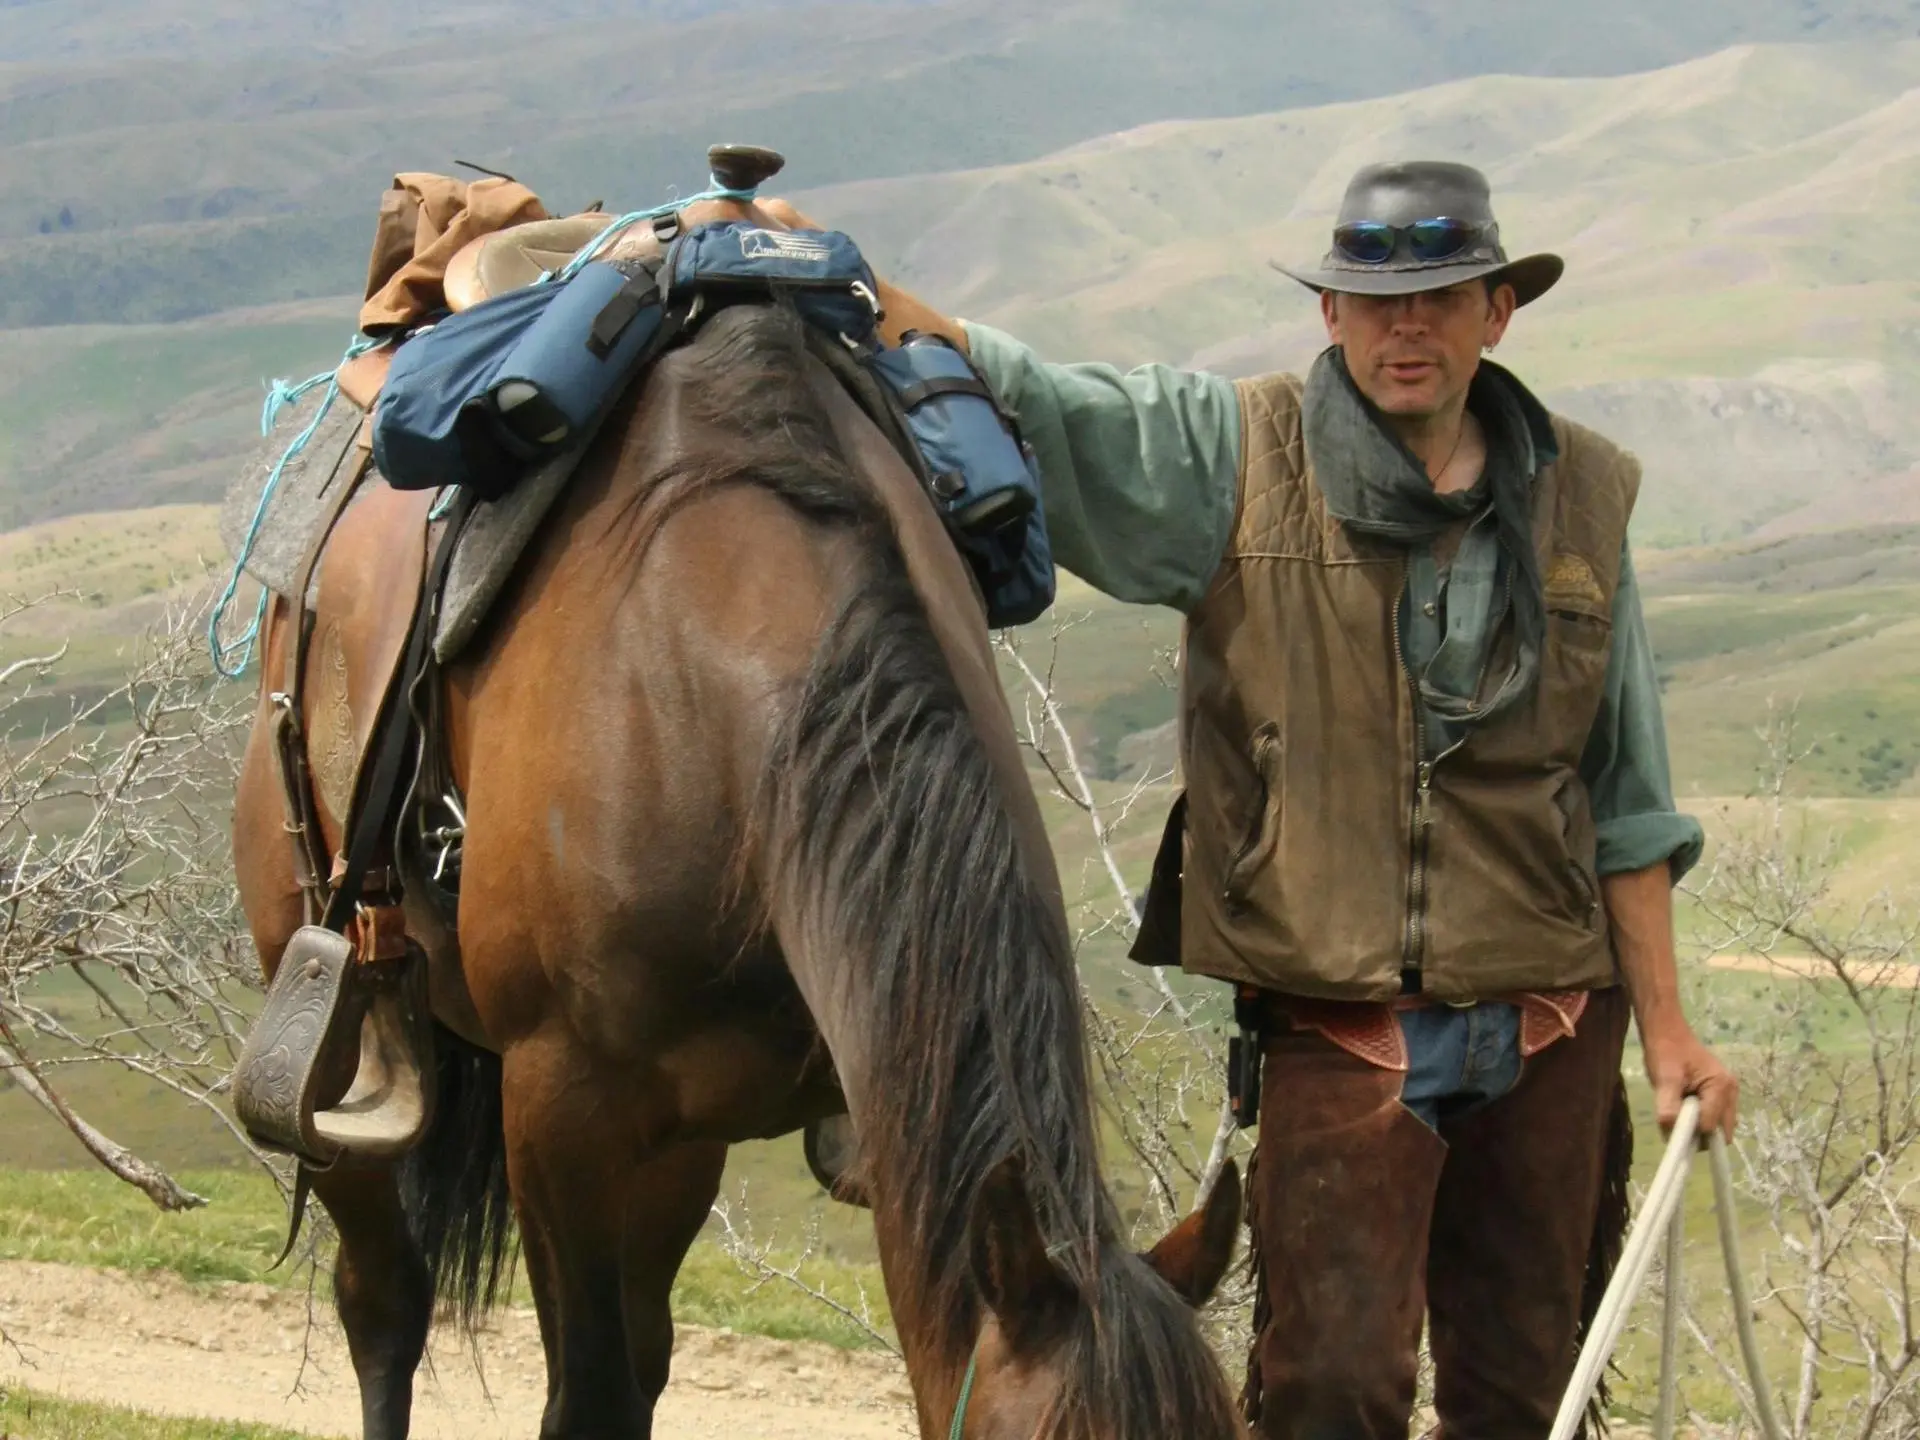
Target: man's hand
1679,1064
1640,906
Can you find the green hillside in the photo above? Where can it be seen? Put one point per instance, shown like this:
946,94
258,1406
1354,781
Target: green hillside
156,157
1745,188
1730,311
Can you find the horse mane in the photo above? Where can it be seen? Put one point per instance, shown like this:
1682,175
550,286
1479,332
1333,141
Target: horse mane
883,827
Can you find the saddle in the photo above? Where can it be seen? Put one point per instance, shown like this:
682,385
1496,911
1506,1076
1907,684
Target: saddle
340,1061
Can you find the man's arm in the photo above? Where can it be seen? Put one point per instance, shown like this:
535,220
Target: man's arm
1645,845
1139,470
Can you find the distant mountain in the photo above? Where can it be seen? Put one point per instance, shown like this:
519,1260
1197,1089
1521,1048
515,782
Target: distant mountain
1731,310
150,150
1725,458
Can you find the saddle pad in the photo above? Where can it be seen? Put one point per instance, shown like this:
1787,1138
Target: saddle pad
487,551
298,502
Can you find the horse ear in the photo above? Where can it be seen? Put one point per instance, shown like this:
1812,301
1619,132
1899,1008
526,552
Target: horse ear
1027,1293
1193,1258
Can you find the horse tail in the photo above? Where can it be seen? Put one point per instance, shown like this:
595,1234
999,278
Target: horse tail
453,1184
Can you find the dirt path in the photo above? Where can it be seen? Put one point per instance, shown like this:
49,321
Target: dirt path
234,1352
1891,975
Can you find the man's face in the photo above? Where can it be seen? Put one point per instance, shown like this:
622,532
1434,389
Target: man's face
1415,355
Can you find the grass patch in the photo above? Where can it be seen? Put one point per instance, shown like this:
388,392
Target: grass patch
27,1415
86,1217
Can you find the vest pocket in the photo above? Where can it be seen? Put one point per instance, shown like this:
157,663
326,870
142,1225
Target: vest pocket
1581,631
1263,829
1582,879
1588,890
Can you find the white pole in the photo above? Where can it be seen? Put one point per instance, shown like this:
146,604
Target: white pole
1663,1199
1737,1286
1663,1417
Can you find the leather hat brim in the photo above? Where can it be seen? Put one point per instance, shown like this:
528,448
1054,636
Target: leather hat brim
1531,277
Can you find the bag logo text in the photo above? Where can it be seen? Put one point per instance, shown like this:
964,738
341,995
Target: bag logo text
782,245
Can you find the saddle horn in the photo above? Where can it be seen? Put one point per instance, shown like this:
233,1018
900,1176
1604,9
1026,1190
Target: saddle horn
744,167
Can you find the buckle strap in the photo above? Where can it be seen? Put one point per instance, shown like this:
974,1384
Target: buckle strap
374,797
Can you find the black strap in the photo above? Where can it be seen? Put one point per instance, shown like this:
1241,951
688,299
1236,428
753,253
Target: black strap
373,797
639,293
921,391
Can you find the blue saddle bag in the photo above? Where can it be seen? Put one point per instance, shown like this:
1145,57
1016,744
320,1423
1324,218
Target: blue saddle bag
479,397
983,476
821,271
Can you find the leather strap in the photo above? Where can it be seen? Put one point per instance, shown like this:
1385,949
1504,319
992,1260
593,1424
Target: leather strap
374,796
296,774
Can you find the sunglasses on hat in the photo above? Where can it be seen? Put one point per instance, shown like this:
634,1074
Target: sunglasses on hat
1370,242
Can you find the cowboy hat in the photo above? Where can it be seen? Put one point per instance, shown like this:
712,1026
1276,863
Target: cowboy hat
1384,208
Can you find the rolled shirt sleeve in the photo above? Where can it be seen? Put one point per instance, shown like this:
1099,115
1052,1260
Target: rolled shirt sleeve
1139,469
1625,765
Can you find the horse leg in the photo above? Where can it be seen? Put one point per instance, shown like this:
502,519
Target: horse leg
672,1198
603,1234
382,1291
380,1282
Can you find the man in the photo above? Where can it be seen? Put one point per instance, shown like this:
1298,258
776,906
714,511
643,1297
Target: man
1429,829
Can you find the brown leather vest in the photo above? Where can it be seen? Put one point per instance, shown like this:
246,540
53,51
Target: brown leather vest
1327,848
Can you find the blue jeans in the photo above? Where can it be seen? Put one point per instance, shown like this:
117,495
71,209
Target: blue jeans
1459,1059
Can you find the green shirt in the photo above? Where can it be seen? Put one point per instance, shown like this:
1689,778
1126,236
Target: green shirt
1141,477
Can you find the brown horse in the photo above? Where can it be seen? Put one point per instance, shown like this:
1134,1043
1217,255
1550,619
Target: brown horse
749,842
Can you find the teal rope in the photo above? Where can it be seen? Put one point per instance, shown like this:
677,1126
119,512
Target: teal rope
279,395
714,191
959,1425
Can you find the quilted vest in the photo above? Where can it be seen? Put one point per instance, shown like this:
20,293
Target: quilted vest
1328,849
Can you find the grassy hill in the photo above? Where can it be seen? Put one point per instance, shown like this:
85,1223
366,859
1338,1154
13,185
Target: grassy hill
1730,310
159,160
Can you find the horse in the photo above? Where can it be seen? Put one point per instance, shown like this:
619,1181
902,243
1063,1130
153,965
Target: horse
749,842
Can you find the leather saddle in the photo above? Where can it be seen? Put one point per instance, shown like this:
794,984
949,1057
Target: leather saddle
340,1061
508,259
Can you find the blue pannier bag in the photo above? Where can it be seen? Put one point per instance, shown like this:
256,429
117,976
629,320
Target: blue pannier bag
821,271
983,476
477,398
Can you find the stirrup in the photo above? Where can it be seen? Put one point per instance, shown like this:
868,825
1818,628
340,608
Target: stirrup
318,998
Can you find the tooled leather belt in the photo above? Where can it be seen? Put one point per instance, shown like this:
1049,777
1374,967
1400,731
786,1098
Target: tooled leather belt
1370,1031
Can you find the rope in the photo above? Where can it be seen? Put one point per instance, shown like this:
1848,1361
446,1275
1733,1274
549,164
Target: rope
279,395
1659,1217
714,191
959,1427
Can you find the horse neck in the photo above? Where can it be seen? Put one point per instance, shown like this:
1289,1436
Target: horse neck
930,939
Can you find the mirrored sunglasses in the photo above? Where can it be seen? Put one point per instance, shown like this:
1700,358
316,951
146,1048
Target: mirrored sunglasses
1369,242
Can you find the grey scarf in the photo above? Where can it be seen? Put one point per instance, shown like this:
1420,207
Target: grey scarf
1375,486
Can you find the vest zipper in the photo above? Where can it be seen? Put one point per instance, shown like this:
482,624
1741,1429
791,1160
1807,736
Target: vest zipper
1414,941
1414,945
